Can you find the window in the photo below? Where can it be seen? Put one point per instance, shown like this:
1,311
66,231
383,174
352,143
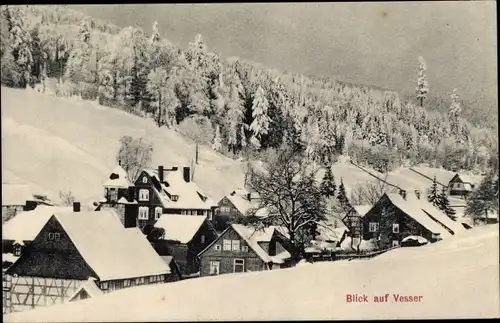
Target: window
57,236
145,180
244,248
143,213
139,281
104,285
236,245
175,198
217,247
373,227
214,267
395,243
158,212
113,194
194,212
226,245
126,283
239,265
159,278
395,227
144,194
225,209
17,250
51,236
202,239
152,279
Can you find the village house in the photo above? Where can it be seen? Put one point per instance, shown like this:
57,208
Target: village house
244,249
234,205
156,192
185,236
396,216
75,246
462,185
353,219
17,198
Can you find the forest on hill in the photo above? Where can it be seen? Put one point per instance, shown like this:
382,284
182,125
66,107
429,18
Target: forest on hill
240,108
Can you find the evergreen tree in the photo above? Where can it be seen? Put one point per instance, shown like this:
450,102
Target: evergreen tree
234,118
164,99
260,124
243,137
454,115
217,142
482,200
422,84
328,186
444,204
341,195
155,36
433,196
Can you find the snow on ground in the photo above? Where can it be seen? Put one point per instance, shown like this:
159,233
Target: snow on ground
457,278
70,145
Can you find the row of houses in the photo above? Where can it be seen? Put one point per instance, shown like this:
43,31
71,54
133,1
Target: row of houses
56,254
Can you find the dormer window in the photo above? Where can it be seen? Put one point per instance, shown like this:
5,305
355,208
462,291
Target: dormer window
17,250
144,180
175,198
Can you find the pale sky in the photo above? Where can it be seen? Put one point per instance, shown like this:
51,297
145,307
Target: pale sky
371,43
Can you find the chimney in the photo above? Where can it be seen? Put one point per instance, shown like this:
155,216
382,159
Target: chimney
403,194
187,174
160,173
417,194
119,162
130,194
76,206
175,168
249,196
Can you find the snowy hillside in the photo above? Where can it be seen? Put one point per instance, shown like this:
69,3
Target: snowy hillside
58,144
457,278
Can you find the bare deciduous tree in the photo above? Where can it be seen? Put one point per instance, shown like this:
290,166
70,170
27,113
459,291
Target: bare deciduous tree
134,155
66,198
288,190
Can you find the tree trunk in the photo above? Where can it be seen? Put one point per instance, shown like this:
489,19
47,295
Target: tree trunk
159,110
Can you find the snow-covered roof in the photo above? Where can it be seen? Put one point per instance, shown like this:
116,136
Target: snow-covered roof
471,179
121,181
123,200
441,217
362,209
26,225
412,207
443,176
16,194
329,233
167,259
281,257
239,198
189,195
416,238
112,251
266,234
180,227
90,287
252,238
9,257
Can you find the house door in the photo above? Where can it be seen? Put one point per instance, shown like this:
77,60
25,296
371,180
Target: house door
214,267
239,265
395,243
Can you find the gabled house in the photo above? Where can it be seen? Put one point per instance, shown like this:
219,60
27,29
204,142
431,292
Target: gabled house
20,231
234,205
396,216
185,236
75,246
353,219
170,191
244,249
117,185
17,198
461,185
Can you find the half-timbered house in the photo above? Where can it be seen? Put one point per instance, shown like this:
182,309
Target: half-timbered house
75,246
185,236
462,185
244,249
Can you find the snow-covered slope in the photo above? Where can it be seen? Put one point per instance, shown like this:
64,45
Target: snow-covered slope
457,278
57,144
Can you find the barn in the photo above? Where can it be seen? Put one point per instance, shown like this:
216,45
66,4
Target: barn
73,247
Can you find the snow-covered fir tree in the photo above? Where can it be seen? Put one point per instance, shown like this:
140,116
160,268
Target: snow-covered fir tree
342,196
328,186
155,36
444,204
482,200
422,83
433,196
260,123
217,142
